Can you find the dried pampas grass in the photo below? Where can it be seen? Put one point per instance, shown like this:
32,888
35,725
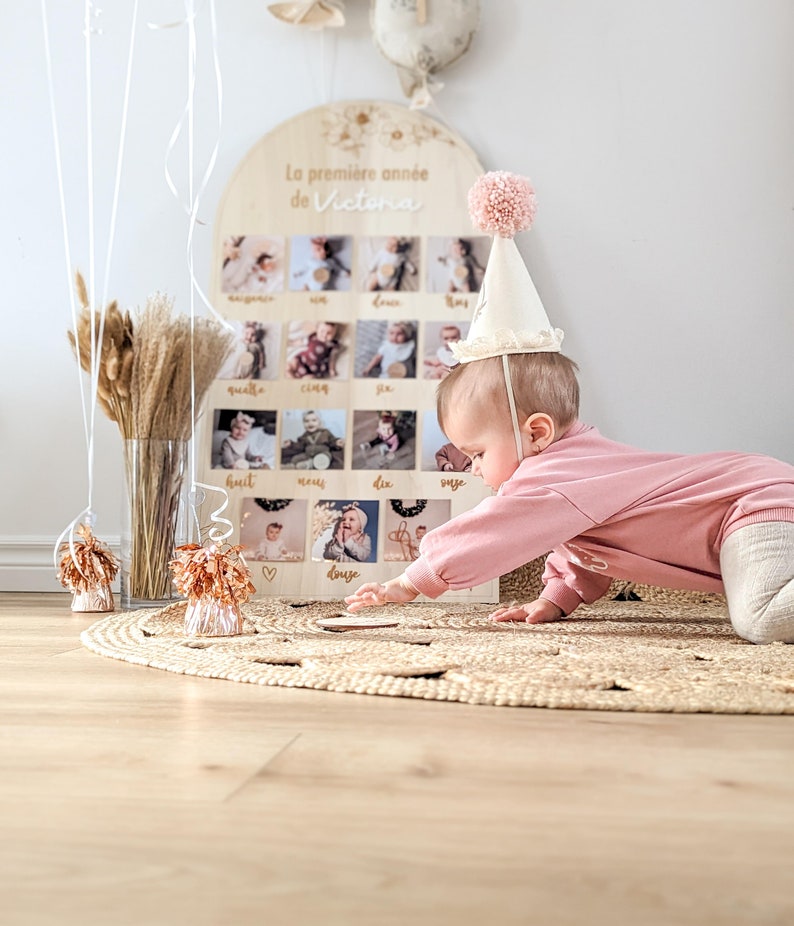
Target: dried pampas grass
154,368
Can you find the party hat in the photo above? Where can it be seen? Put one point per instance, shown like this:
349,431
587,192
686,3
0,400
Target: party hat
509,317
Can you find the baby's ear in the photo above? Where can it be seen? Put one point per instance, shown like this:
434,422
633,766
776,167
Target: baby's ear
541,430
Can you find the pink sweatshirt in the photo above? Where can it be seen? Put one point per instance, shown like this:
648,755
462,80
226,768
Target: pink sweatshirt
607,510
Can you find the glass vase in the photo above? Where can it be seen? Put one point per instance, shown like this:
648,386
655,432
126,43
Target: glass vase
153,521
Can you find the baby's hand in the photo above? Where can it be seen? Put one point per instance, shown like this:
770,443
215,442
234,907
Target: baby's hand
372,594
540,611
367,596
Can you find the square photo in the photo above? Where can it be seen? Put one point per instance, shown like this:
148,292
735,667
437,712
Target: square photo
313,439
345,531
406,521
319,263
317,350
456,265
255,352
384,439
273,529
252,264
243,439
386,349
389,264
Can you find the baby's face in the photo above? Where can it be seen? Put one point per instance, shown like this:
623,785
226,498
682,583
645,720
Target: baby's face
387,428
351,521
311,423
272,532
486,436
318,251
450,335
392,245
240,429
420,532
326,332
457,249
397,335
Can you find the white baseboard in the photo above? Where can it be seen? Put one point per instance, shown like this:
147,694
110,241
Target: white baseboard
27,565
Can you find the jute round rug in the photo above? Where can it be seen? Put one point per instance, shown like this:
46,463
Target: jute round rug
666,655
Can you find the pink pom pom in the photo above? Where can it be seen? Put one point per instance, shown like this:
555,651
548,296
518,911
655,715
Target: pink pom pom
501,203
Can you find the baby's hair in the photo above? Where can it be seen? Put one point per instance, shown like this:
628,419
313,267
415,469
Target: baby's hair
450,328
276,524
242,418
464,245
407,328
311,411
542,382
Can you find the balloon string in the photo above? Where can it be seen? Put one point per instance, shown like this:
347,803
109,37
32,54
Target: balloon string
88,402
86,517
120,157
186,123
62,199
214,534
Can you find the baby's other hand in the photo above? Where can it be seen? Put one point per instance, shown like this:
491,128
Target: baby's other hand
540,611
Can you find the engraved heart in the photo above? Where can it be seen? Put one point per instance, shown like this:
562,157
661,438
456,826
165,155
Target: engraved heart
269,572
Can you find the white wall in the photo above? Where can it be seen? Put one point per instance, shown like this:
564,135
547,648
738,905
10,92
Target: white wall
659,135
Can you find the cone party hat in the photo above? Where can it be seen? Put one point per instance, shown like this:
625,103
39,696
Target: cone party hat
509,317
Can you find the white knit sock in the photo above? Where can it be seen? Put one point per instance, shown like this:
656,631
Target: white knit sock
757,564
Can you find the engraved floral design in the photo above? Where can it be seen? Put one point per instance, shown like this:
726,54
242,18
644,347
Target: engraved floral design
354,126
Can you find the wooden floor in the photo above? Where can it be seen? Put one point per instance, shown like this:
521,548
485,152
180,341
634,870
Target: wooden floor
130,795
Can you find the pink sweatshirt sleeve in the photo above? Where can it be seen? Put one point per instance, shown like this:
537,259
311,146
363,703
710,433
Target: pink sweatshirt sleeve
569,585
498,535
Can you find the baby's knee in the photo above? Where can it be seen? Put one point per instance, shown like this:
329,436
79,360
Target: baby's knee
762,626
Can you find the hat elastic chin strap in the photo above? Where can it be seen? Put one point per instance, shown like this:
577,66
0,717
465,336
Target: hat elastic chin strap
512,402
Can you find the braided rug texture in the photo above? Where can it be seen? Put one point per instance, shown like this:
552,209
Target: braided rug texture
665,655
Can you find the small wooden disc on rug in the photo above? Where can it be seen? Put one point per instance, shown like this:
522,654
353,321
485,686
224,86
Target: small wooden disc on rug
355,622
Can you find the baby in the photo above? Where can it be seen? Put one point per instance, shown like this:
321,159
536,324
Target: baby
258,280
236,452
346,540
386,438
450,460
437,366
252,360
396,354
314,448
714,522
462,267
272,547
390,264
318,357
322,268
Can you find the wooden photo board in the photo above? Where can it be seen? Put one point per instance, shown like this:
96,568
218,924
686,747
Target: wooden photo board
346,261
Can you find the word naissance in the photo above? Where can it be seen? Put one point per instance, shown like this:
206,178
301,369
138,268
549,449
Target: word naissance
364,202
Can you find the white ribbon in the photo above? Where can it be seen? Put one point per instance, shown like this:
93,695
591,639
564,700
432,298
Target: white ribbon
191,205
88,403
214,534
